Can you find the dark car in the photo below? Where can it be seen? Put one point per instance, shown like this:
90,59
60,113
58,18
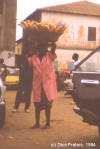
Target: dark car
86,88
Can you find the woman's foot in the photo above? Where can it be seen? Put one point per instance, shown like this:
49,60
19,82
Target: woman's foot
46,126
27,110
35,126
14,110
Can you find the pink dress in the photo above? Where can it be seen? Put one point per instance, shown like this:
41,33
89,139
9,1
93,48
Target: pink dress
43,73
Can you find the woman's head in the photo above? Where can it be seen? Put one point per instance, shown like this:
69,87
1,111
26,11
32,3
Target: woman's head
41,47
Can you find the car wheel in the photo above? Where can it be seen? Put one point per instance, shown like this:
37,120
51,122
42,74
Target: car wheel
2,115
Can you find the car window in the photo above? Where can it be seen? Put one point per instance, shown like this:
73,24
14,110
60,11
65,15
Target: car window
92,64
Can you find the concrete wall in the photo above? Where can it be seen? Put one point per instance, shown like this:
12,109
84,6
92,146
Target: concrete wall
9,57
76,34
8,29
64,57
10,25
18,49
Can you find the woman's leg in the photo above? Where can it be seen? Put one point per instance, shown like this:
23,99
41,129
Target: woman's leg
37,117
47,113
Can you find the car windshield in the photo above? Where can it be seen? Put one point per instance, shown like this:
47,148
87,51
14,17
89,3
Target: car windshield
92,64
13,72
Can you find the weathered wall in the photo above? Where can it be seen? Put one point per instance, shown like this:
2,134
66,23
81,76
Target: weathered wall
8,25
75,38
64,57
18,49
76,34
8,30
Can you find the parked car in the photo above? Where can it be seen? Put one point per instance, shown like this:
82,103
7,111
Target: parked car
12,77
86,88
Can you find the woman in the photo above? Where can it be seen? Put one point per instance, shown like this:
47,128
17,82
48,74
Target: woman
44,82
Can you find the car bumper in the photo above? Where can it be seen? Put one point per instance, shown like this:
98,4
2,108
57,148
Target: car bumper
11,85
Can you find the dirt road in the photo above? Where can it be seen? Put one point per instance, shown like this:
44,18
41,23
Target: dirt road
67,129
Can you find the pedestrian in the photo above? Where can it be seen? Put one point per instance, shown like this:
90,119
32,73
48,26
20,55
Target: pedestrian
44,81
75,58
25,83
69,82
3,69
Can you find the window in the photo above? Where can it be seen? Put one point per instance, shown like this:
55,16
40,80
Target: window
92,64
91,33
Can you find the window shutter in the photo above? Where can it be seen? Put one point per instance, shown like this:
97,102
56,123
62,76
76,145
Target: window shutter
91,33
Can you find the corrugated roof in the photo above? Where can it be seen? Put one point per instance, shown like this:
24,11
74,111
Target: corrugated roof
81,7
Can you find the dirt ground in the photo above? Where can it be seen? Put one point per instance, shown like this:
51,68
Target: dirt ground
67,129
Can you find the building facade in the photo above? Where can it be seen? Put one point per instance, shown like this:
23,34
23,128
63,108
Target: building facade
82,34
8,10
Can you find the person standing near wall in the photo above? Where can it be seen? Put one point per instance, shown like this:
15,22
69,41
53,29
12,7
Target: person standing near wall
68,82
75,57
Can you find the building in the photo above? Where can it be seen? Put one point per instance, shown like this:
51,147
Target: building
8,10
18,49
83,28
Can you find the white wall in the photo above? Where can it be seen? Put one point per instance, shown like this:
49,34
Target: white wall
65,56
75,38
76,34
8,60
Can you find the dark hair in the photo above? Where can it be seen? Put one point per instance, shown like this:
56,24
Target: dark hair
42,47
75,56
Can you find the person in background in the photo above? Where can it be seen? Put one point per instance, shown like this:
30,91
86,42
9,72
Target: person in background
68,83
75,58
25,83
3,69
44,81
